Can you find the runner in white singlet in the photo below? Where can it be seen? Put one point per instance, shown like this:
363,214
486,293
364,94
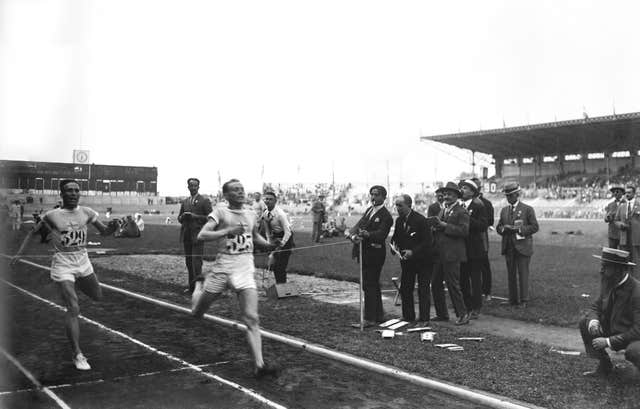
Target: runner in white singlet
70,266
235,230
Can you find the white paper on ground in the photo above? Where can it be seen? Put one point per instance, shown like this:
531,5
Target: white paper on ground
398,325
478,339
419,329
447,345
390,322
456,348
427,336
388,333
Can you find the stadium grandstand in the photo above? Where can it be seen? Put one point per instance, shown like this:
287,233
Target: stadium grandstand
99,183
573,161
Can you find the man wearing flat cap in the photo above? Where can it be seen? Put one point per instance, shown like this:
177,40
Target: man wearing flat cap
470,270
517,225
617,193
372,229
614,318
451,230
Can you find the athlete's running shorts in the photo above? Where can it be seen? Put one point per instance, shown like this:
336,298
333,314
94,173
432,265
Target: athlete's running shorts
231,271
69,266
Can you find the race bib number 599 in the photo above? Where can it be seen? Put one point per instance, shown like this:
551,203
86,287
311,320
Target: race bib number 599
239,243
73,238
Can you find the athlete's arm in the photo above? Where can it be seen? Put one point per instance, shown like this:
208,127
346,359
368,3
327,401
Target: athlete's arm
26,240
209,232
261,241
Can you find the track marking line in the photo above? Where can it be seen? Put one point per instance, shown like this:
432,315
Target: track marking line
33,380
471,395
167,355
117,378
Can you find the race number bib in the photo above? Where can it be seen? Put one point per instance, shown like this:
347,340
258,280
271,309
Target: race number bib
73,238
239,243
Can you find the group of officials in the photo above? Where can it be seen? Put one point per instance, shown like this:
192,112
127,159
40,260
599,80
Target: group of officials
448,246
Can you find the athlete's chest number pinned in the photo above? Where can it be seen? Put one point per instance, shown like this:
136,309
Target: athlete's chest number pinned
239,243
73,238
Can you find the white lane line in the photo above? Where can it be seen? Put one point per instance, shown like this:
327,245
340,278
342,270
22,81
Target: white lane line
117,378
33,380
234,385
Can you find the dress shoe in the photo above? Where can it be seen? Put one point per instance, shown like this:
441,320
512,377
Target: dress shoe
487,297
474,315
604,369
421,324
440,319
366,324
463,319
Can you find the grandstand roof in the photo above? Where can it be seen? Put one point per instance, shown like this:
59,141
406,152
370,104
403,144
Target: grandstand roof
599,134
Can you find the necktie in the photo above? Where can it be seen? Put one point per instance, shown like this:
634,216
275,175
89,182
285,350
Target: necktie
368,213
512,209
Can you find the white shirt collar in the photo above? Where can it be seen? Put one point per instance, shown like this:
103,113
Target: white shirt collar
467,202
626,277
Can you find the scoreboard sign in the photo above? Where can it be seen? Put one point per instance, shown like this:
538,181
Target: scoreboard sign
80,156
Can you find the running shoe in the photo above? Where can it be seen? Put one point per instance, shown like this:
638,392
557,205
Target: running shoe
81,362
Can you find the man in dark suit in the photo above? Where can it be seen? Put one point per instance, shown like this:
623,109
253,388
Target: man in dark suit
470,270
436,207
485,265
614,319
318,216
610,215
628,221
517,225
412,242
372,229
452,229
192,216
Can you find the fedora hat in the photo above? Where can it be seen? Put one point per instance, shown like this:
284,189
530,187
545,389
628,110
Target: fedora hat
450,186
615,256
613,188
470,183
511,187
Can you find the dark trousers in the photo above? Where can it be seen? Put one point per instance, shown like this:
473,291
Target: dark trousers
614,243
485,269
281,260
448,271
517,276
316,231
193,252
471,284
372,263
423,270
631,353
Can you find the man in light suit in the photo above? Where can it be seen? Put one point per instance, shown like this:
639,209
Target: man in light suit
192,216
372,230
413,241
451,230
628,221
517,225
614,319
610,215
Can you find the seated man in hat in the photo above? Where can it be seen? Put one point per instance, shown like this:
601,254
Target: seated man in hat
614,319
611,209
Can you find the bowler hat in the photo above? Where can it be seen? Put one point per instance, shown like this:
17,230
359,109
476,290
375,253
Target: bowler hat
613,188
615,256
469,183
450,186
511,187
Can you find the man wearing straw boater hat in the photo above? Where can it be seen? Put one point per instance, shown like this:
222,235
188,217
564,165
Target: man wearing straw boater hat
614,318
450,233
516,226
617,191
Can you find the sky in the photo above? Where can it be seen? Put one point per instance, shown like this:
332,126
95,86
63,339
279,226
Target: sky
301,91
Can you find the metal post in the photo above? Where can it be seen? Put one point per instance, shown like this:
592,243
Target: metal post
361,291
